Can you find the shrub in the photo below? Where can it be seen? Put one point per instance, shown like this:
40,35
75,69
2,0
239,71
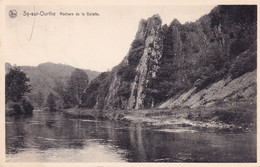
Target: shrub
136,52
127,73
90,101
125,90
17,109
135,55
243,64
27,106
137,43
51,102
238,47
203,82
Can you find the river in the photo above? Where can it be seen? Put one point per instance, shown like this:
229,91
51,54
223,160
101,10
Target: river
52,137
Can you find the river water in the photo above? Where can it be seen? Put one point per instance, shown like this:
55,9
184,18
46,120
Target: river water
52,137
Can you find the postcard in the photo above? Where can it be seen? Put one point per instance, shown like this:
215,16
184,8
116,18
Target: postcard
125,83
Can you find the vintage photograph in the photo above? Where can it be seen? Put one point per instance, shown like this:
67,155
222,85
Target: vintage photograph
158,83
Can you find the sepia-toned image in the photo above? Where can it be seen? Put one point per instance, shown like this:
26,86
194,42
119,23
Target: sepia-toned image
114,83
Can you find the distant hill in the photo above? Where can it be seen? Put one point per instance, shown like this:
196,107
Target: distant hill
45,76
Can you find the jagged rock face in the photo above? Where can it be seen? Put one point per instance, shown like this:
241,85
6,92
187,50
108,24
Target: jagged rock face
113,100
150,32
164,62
149,62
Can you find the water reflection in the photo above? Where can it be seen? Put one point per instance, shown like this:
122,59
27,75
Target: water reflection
54,138
136,140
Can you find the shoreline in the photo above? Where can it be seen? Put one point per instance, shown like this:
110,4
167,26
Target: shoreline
240,117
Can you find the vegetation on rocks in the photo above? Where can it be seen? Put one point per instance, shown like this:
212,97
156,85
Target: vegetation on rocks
218,46
198,54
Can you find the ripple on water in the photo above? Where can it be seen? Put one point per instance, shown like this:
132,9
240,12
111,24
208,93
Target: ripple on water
177,130
88,120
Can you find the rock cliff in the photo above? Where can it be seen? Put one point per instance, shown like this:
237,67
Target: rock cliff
182,64
149,62
128,81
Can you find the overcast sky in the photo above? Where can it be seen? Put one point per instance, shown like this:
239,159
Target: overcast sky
97,42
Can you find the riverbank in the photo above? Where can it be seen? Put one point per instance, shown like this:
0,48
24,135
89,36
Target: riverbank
22,107
237,117
83,113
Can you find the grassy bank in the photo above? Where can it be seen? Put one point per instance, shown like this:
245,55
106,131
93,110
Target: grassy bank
231,117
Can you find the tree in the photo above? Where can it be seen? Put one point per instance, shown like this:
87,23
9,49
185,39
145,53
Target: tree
16,85
39,99
51,102
95,88
60,90
76,86
27,106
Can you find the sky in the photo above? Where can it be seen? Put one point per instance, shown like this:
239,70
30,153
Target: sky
91,42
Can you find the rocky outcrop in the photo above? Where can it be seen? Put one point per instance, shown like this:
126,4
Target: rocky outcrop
149,31
149,62
186,63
